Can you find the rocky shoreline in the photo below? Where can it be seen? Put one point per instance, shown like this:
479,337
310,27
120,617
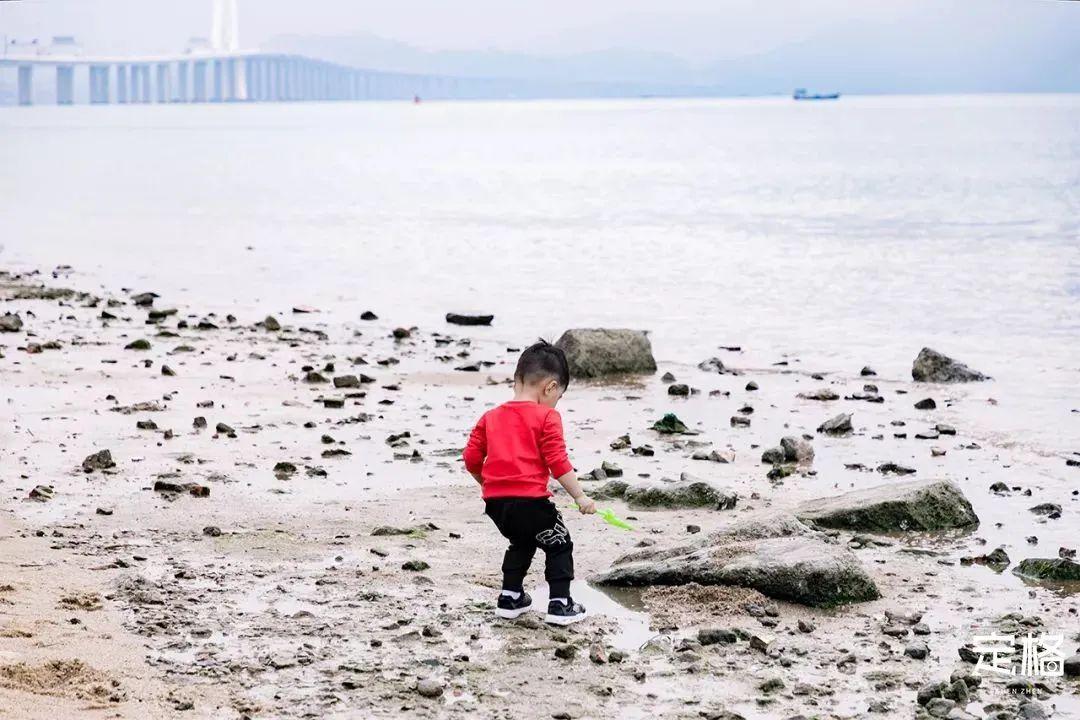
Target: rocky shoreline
266,517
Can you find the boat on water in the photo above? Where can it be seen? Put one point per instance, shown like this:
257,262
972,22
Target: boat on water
801,94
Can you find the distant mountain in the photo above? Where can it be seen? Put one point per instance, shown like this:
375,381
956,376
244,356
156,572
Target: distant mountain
923,54
369,51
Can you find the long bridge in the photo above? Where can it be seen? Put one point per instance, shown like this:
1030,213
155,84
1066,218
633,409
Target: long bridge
221,72
226,77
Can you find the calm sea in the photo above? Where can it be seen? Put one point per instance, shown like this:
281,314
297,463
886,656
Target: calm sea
842,233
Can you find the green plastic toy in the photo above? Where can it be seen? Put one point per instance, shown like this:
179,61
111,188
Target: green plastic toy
608,515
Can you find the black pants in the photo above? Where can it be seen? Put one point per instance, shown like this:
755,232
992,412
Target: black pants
530,523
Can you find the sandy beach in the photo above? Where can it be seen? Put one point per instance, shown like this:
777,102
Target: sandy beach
282,527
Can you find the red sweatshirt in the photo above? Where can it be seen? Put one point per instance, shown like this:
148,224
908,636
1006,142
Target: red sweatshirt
516,447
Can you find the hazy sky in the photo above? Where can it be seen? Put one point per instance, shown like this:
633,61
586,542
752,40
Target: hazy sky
697,30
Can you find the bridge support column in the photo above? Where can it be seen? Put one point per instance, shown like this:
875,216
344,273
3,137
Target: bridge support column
99,84
198,69
133,83
135,86
219,81
144,72
65,84
269,74
251,68
163,83
239,79
26,84
121,84
181,93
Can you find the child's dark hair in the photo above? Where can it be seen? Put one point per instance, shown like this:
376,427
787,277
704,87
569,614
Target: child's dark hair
543,360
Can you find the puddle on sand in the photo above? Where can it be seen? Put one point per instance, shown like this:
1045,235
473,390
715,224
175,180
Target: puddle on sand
623,606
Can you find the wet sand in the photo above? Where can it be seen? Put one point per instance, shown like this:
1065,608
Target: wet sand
272,597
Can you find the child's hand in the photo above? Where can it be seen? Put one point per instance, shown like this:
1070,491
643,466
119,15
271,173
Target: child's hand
586,505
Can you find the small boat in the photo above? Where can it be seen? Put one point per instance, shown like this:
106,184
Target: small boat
801,94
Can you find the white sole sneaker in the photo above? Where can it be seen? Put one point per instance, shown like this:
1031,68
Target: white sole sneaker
511,614
564,619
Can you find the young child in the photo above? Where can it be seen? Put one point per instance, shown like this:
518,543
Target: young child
512,452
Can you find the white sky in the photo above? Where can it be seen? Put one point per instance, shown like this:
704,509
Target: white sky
693,29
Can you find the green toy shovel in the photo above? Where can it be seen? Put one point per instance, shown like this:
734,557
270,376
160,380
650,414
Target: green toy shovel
608,515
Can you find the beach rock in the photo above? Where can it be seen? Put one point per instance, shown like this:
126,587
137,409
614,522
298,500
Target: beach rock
800,568
932,366
773,456
157,315
566,652
610,469
997,560
891,468
1050,510
1048,569
140,344
101,460
429,688
457,319
595,352
912,505
368,315
724,457
714,365
714,636
401,333
271,324
670,424
10,323
917,650
689,492
796,450
1072,666
867,371
346,381
144,299
194,489
678,389
822,394
926,404
839,425
41,493
751,386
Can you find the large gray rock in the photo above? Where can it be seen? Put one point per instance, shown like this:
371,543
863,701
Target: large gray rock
595,352
839,425
1060,569
932,366
10,323
688,492
797,450
801,568
915,505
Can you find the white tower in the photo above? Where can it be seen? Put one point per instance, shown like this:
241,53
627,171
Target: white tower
225,35
225,38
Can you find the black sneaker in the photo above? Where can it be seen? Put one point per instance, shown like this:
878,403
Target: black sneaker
564,613
510,608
